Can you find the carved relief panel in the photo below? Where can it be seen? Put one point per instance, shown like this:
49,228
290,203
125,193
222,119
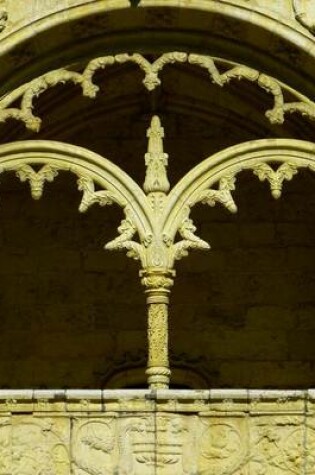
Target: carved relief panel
220,441
30,445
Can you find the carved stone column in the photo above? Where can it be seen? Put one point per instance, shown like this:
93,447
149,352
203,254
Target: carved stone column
158,283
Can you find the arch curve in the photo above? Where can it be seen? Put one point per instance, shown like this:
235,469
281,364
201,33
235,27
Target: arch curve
116,27
213,180
115,186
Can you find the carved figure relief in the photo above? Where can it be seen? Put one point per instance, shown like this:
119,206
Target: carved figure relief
93,444
135,443
29,446
222,448
278,446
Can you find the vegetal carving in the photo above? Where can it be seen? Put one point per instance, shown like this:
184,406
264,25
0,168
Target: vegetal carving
37,179
286,171
90,196
126,230
190,240
155,216
28,92
222,195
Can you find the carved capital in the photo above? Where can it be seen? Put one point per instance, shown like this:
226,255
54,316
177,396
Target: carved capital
157,279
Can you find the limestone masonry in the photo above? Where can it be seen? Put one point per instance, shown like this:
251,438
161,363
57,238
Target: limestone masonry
157,237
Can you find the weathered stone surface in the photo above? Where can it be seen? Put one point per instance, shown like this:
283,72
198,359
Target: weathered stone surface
225,431
243,317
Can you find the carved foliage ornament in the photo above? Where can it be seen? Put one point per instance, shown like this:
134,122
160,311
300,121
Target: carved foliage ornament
157,228
28,92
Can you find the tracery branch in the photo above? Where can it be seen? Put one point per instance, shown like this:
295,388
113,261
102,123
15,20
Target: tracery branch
269,84
27,93
34,89
90,196
223,195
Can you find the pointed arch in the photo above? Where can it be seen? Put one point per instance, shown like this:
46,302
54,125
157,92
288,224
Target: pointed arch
114,185
213,180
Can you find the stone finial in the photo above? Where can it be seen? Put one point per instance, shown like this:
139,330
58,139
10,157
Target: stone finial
156,160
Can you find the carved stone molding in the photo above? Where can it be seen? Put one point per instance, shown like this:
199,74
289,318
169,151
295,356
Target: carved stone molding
210,182
26,94
136,432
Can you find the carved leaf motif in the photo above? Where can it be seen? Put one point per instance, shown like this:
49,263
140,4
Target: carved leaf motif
37,179
30,447
208,63
158,335
286,171
28,92
124,241
222,195
90,196
190,240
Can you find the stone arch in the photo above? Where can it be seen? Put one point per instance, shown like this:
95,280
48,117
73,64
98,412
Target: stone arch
114,26
91,169
222,169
